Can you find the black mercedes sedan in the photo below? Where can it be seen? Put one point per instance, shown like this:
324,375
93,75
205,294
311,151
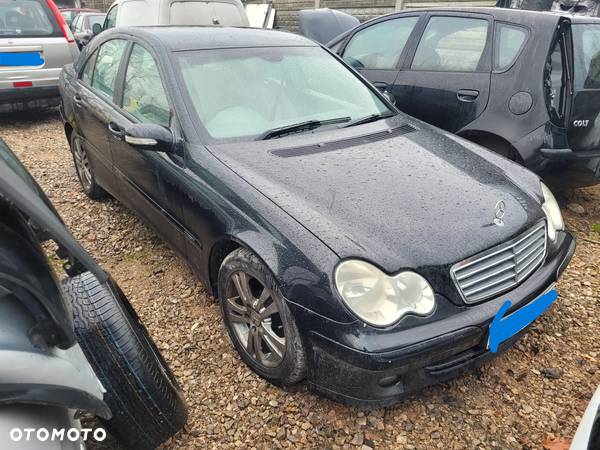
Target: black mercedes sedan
348,243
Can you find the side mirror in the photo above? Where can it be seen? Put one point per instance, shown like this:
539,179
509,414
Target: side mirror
389,97
96,29
151,137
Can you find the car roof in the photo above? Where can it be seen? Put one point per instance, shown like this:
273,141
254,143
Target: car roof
506,14
178,38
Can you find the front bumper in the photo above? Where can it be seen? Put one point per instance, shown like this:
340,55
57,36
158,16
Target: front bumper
358,364
25,98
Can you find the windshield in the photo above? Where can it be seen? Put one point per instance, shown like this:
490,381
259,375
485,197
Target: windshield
27,18
586,42
245,92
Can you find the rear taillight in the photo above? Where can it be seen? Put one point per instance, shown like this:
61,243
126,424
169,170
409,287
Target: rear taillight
61,21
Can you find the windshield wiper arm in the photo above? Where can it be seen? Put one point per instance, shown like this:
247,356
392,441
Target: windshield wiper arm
297,127
369,118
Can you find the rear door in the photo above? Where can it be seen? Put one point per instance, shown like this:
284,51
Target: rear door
583,127
33,47
446,79
379,50
93,103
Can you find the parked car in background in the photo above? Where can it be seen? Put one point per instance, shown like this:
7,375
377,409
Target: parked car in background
180,12
35,43
523,84
347,242
70,13
589,8
83,27
74,345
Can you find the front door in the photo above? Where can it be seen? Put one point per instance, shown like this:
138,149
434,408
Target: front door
446,79
378,50
583,127
148,179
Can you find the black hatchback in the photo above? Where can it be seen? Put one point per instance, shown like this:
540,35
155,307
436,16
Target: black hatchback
523,84
348,243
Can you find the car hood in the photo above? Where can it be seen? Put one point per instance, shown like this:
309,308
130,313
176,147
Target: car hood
411,197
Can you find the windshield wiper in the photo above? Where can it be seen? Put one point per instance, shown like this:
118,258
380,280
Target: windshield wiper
369,118
297,127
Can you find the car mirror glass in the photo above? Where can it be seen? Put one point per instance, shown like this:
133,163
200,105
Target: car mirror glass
96,29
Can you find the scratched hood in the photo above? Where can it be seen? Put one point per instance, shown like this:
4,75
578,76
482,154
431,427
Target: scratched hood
411,197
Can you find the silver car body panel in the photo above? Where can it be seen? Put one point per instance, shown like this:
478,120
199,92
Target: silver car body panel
180,12
55,51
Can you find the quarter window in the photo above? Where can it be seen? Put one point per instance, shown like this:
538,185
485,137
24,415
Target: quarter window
107,66
380,45
144,95
451,44
509,41
88,70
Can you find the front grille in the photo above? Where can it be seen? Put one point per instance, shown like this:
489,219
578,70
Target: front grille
501,268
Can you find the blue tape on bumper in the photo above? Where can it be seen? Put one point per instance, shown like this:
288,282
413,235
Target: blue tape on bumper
502,328
16,59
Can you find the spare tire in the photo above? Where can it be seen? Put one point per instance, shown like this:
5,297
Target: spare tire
146,402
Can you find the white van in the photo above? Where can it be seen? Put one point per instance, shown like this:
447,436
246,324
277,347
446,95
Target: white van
176,12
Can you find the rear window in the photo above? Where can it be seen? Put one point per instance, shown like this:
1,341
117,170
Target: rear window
27,18
586,42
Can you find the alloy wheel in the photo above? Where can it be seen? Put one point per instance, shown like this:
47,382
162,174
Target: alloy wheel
254,315
82,164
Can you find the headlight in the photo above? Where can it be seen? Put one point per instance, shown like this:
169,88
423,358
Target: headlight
379,299
552,211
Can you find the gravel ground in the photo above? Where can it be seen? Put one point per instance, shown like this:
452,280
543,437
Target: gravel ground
533,394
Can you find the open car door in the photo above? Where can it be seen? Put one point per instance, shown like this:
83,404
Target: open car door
583,127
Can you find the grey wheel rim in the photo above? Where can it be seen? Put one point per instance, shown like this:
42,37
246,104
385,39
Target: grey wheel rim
82,164
254,316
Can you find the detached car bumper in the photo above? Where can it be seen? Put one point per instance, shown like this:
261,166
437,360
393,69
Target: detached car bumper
342,366
24,98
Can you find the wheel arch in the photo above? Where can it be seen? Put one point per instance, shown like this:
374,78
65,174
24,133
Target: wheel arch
68,131
493,142
263,247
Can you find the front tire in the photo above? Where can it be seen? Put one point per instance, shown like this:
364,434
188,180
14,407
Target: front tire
84,170
258,319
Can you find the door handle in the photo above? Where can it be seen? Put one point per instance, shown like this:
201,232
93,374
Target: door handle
467,95
116,130
77,99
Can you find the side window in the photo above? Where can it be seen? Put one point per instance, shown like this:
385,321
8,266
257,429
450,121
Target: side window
74,26
107,66
111,18
143,94
380,45
508,43
451,44
556,83
88,70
